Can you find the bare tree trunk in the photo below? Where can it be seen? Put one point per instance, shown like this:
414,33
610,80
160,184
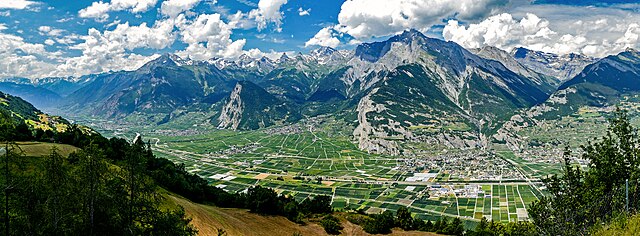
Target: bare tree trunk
92,192
6,190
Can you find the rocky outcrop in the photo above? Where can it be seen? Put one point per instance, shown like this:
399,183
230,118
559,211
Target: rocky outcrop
369,137
232,111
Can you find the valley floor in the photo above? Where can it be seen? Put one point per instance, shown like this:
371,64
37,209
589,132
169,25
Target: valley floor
317,158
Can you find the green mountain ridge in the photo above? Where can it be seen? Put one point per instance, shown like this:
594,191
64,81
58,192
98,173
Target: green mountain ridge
601,84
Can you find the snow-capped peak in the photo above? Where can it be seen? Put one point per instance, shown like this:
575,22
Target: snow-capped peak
322,51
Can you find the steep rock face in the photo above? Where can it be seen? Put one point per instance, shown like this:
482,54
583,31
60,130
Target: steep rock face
562,67
251,107
409,105
548,83
232,112
372,138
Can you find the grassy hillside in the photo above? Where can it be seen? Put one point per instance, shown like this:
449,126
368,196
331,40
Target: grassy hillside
207,219
39,149
628,227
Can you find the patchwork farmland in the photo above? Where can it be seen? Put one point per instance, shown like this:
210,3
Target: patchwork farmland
306,164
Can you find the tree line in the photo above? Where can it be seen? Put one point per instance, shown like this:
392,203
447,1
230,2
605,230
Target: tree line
83,194
384,222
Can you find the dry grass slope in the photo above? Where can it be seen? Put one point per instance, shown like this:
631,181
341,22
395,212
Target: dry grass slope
39,149
207,219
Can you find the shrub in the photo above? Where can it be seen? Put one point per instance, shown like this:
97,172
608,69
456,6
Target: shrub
331,224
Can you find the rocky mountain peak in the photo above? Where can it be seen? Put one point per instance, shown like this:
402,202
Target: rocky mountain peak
284,58
165,60
323,51
410,35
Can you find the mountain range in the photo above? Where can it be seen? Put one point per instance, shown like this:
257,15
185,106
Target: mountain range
407,88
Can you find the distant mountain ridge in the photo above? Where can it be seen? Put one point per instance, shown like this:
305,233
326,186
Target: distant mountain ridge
562,67
43,93
407,88
38,96
600,84
598,87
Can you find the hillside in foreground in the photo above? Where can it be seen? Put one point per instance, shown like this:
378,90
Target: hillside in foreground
207,219
625,227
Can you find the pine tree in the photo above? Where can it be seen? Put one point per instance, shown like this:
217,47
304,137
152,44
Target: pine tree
404,219
91,176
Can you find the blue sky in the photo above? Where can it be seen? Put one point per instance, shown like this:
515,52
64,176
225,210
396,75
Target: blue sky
40,38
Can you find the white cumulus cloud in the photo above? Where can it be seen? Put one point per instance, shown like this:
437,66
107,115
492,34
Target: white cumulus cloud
363,19
304,12
268,12
15,4
97,10
100,10
22,59
173,8
325,37
111,50
47,30
209,36
596,36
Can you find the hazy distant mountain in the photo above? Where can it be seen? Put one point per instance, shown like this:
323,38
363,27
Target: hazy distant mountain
44,93
63,86
562,67
38,96
602,83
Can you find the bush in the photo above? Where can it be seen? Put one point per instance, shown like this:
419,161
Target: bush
331,224
380,224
